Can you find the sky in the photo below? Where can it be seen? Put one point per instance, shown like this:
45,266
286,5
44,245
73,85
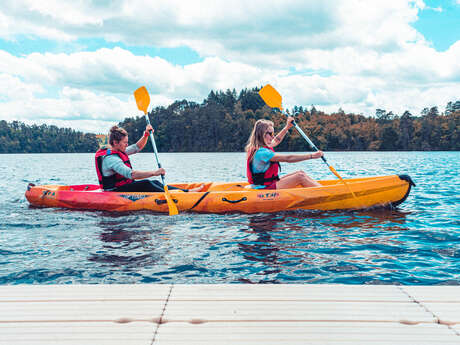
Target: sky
77,63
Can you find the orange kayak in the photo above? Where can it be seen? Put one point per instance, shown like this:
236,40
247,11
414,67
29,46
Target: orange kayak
225,197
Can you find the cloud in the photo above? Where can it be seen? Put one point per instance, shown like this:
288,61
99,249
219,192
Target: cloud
98,85
351,54
435,9
259,31
118,71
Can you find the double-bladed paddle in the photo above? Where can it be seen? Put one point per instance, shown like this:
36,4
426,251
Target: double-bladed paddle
143,100
274,100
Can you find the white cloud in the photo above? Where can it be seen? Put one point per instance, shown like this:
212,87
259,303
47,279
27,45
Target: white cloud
352,54
259,30
98,85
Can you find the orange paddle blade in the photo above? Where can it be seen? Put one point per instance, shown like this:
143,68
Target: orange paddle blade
341,179
142,98
171,204
335,172
271,97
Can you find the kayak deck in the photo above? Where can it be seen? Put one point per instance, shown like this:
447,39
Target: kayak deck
225,197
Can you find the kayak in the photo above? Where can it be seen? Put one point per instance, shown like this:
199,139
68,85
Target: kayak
223,197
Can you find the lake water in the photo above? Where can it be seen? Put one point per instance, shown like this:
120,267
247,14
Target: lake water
417,244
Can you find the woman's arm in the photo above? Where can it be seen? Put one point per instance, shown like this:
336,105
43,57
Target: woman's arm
142,141
280,136
296,158
114,163
137,174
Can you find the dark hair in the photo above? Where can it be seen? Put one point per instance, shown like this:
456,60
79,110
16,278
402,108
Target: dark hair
116,134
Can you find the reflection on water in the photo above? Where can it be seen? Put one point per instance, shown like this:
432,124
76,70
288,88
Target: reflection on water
416,244
264,248
300,244
125,245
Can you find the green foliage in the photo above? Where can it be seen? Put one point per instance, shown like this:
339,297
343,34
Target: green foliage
223,122
18,137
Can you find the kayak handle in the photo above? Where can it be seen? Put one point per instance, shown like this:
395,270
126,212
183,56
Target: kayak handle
235,201
163,201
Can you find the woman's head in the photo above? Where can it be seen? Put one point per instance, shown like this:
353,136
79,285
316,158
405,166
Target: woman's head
118,138
261,135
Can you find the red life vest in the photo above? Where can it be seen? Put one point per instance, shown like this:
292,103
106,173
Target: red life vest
116,180
263,178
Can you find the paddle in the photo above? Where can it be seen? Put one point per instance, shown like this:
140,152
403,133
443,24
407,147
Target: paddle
274,100
143,100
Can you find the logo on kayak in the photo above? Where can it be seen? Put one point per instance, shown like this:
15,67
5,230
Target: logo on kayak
48,194
133,197
268,196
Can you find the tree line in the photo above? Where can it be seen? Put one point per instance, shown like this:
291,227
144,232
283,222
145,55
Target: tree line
17,137
224,120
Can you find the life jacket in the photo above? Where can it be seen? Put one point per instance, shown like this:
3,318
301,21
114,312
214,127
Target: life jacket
116,180
263,178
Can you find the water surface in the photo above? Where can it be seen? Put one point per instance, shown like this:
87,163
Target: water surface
416,244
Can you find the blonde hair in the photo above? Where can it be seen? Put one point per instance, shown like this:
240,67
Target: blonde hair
116,134
256,139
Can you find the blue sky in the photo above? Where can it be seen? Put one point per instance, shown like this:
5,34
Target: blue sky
76,64
439,23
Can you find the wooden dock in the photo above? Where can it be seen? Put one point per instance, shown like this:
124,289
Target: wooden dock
229,314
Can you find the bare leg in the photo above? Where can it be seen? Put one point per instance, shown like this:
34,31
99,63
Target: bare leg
197,189
295,179
290,174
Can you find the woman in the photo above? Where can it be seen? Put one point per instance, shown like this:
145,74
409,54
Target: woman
263,162
114,170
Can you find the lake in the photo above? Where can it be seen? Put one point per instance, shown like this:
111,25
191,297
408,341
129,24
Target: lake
416,244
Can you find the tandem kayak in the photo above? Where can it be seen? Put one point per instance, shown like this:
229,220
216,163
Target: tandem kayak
380,191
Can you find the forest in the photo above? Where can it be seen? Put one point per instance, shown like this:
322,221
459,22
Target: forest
224,120
17,137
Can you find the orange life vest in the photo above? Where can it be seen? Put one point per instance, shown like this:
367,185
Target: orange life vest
116,180
264,178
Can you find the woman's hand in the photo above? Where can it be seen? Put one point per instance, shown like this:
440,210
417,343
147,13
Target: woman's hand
159,172
148,128
317,154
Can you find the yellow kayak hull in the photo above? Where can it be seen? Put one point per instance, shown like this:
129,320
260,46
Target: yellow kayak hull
226,197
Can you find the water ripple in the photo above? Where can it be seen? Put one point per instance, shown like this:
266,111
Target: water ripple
417,244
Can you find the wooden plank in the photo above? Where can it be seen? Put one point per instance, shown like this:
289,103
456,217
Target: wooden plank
228,314
287,292
117,311
434,293
456,328
81,333
84,292
295,311
442,301
446,312
301,333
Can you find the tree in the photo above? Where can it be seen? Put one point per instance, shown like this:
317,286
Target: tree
406,129
223,122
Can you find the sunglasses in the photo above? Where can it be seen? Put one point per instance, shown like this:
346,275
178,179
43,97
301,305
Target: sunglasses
270,133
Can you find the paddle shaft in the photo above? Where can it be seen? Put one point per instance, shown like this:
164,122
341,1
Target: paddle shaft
307,139
313,146
152,139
